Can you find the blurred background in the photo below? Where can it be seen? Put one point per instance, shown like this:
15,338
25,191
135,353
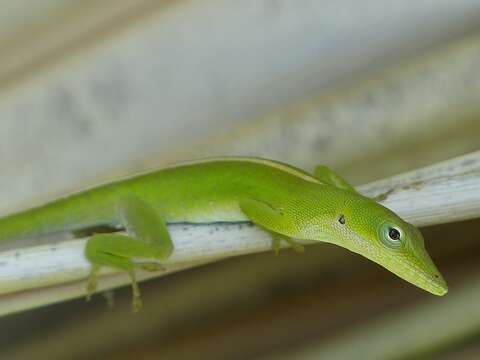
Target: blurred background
93,90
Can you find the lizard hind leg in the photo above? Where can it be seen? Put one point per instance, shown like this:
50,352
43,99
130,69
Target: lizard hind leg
112,250
147,238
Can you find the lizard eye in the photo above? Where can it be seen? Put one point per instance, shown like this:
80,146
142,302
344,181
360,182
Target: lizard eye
393,233
341,219
390,236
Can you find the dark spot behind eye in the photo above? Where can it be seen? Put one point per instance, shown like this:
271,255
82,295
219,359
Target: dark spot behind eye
341,219
394,234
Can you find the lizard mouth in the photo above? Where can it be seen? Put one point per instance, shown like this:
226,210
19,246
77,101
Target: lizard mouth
429,280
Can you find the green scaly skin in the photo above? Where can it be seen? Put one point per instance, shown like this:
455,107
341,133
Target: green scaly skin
286,201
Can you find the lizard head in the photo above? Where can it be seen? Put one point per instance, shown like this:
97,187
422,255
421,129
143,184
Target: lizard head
370,229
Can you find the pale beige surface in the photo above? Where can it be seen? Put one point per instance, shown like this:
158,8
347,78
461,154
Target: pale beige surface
77,120
106,87
102,84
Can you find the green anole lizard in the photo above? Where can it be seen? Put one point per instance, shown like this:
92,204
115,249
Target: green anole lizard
287,202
